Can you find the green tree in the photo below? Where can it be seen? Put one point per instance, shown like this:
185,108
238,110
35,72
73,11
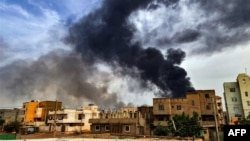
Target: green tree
12,127
2,122
245,121
161,130
185,125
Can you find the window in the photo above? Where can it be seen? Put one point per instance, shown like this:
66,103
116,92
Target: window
97,128
107,127
234,99
192,102
161,118
206,95
81,116
232,89
178,107
244,81
161,107
246,94
135,115
94,114
237,111
127,128
208,107
248,103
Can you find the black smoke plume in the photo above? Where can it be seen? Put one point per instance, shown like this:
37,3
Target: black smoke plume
106,35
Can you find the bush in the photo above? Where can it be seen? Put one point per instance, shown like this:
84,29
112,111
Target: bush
12,127
161,131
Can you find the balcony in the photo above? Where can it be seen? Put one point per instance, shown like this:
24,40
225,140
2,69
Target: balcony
116,120
208,123
65,121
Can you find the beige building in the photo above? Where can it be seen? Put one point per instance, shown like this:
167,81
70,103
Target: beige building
237,98
126,121
10,115
203,102
165,108
71,120
221,116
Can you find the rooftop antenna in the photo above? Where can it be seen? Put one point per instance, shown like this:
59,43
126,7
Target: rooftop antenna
246,70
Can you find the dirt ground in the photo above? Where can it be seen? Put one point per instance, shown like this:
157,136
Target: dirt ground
63,135
89,135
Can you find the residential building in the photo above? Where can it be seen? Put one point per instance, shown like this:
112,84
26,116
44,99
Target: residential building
10,115
28,112
71,120
202,102
147,113
221,116
237,98
165,108
42,110
127,121
33,113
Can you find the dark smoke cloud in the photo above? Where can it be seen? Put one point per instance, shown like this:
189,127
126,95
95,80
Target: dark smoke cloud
60,75
106,35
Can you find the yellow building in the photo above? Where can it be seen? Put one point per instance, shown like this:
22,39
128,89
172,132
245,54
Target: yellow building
44,107
28,112
34,113
237,98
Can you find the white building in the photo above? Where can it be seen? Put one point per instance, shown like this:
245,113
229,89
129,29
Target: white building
237,98
71,120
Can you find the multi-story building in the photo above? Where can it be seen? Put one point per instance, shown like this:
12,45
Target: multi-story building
237,98
28,112
221,116
43,108
202,102
126,121
165,108
34,113
71,120
147,113
10,115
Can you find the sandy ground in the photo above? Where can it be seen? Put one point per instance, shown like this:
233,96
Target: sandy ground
89,135
60,135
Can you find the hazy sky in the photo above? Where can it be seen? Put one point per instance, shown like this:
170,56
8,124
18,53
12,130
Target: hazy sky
215,36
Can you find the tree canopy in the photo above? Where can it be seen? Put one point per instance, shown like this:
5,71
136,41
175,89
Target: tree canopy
185,125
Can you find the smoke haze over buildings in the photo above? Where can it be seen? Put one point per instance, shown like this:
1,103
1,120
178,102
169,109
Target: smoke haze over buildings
121,51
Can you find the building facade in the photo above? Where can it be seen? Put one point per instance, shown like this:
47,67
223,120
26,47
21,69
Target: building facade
10,115
34,113
165,108
71,120
237,98
126,121
202,102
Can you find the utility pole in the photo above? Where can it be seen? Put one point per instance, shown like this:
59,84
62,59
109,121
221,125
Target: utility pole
170,113
55,117
215,118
